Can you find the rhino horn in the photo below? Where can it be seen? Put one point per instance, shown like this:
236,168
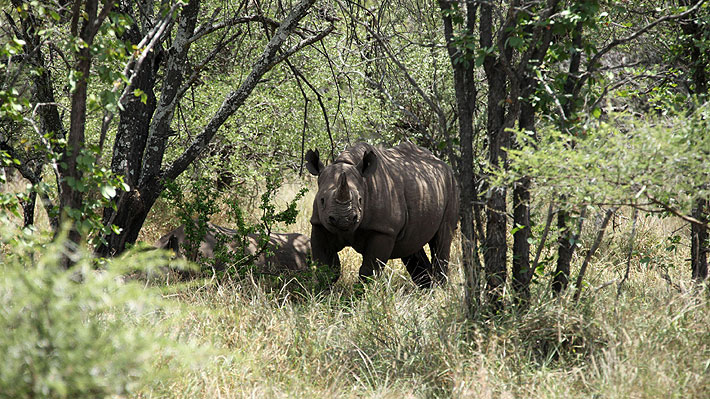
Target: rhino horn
343,193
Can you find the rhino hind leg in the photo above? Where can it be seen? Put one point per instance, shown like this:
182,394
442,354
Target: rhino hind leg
440,247
419,268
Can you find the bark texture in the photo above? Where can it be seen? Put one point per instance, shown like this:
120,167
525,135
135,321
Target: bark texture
465,89
496,247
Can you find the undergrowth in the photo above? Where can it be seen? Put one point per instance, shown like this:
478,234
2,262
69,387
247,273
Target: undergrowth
296,336
391,339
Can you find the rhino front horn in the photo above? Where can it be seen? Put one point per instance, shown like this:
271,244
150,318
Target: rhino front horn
343,193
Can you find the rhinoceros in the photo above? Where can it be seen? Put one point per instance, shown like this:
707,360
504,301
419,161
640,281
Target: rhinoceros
386,204
288,251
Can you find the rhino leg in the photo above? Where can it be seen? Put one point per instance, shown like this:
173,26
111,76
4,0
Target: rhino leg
377,253
440,247
325,251
419,268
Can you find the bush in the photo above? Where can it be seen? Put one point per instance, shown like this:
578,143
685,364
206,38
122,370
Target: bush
73,333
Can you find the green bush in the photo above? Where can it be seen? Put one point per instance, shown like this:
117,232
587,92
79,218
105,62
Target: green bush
74,333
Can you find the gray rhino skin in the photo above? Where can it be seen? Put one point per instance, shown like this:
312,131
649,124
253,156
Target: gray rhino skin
290,251
386,204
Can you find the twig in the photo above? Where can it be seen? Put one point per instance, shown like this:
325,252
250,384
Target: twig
548,222
631,251
675,212
306,100
591,64
319,98
608,283
303,43
592,250
205,30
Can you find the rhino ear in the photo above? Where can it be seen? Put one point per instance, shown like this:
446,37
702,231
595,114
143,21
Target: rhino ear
173,244
368,164
313,163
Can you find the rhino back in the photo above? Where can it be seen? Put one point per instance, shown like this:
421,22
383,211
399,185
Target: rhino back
289,251
408,196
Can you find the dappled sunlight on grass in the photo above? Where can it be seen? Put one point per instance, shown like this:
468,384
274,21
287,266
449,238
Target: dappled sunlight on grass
387,338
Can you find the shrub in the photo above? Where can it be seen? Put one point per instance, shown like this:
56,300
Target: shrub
73,333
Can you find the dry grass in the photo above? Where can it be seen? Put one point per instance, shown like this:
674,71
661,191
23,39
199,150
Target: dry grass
259,337
389,339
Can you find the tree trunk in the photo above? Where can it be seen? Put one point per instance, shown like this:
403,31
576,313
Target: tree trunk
566,239
496,247
522,273
50,122
699,242
70,184
465,89
133,208
128,149
69,196
524,75
565,248
698,233
28,209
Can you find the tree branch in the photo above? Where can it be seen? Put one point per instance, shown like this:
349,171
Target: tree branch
303,43
299,75
152,39
591,64
207,29
631,252
235,99
592,250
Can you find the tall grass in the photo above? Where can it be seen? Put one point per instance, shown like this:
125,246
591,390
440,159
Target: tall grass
294,337
390,339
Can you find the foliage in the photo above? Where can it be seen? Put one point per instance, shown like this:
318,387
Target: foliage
657,165
101,186
76,333
204,200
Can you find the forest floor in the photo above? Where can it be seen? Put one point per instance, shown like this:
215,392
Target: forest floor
266,337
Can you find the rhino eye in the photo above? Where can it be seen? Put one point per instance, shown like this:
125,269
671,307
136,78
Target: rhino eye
359,200
322,201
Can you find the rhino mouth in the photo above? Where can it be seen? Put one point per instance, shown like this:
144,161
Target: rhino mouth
344,225
347,223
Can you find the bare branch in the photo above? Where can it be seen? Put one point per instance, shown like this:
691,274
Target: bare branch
431,103
299,75
206,29
631,251
303,43
592,63
235,99
592,250
677,213
543,238
199,67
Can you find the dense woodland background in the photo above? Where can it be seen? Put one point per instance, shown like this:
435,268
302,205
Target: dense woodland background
578,131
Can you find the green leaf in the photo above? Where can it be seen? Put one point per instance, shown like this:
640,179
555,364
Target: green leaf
108,192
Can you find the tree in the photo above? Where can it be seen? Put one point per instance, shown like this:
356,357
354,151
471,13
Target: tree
695,42
461,55
146,166
145,95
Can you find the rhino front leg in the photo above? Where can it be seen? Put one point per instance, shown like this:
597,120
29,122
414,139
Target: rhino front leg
377,252
324,250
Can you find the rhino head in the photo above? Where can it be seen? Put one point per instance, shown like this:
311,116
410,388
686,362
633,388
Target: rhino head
341,190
